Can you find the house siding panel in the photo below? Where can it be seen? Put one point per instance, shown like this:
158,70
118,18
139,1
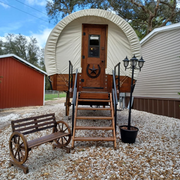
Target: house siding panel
21,85
158,82
161,71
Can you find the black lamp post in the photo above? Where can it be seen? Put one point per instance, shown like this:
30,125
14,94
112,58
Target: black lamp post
133,64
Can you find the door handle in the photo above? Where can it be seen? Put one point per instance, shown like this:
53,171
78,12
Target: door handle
102,61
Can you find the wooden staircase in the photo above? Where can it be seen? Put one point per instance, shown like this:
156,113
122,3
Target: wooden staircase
92,98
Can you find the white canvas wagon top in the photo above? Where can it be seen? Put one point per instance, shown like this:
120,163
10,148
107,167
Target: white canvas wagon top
65,41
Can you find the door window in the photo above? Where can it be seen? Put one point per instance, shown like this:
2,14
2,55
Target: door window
94,45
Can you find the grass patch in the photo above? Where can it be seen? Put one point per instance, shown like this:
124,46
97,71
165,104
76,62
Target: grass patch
53,96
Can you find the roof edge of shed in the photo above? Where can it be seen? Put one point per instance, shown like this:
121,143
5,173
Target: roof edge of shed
22,60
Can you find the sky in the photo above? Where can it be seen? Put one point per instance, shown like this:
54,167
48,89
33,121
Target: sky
26,17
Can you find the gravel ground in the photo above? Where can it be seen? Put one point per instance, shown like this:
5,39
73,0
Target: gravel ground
155,155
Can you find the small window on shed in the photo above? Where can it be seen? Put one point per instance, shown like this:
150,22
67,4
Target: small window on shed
94,45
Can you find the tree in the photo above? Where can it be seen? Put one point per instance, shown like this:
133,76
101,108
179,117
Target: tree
1,47
58,9
41,62
33,51
23,47
143,15
15,45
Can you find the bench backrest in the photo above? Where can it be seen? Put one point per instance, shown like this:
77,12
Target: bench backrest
34,124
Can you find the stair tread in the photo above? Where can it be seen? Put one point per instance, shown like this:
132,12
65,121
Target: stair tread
93,117
93,128
97,92
94,100
94,95
81,108
93,139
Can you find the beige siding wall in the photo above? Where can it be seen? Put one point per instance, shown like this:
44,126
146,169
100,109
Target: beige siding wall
160,76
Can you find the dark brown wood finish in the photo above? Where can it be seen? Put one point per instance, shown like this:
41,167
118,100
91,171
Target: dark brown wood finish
110,118
20,147
53,79
97,83
94,95
62,82
161,106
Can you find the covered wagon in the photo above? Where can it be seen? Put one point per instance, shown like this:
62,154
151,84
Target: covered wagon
94,42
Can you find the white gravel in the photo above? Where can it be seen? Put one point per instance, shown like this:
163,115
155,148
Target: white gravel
155,155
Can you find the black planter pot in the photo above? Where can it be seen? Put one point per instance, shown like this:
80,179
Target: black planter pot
128,136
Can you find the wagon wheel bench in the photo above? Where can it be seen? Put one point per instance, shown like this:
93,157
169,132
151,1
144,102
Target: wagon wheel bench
18,145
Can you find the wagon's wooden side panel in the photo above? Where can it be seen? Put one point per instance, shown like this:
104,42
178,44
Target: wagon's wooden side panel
125,84
60,82
53,80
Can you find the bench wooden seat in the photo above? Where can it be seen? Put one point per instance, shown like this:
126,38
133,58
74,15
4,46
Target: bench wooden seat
45,139
20,147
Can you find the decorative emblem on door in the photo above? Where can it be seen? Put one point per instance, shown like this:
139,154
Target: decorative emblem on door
94,73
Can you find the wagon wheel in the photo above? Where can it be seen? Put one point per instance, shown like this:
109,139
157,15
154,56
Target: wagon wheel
65,140
18,148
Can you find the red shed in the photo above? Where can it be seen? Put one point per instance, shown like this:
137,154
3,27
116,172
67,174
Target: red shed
22,84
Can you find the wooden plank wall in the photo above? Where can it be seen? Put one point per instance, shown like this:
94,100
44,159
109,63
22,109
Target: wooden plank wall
160,106
60,82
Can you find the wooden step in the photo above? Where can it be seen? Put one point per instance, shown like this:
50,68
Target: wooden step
94,95
92,128
86,108
93,100
94,117
93,139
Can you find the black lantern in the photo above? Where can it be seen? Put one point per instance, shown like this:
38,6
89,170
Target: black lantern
126,62
128,132
141,63
133,61
133,64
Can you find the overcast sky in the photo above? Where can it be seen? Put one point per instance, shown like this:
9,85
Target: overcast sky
27,17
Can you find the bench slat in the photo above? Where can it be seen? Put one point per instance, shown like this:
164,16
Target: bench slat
36,130
45,139
31,118
35,126
32,122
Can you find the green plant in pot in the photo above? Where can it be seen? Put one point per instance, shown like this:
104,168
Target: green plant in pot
128,132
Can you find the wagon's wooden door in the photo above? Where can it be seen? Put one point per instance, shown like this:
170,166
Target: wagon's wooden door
94,49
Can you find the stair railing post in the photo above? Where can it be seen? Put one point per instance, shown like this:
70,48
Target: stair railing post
115,99
118,85
74,99
119,79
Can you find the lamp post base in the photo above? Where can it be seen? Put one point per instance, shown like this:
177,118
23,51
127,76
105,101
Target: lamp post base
128,136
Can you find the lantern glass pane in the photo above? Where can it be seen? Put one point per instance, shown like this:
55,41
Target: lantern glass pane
140,63
133,63
126,63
